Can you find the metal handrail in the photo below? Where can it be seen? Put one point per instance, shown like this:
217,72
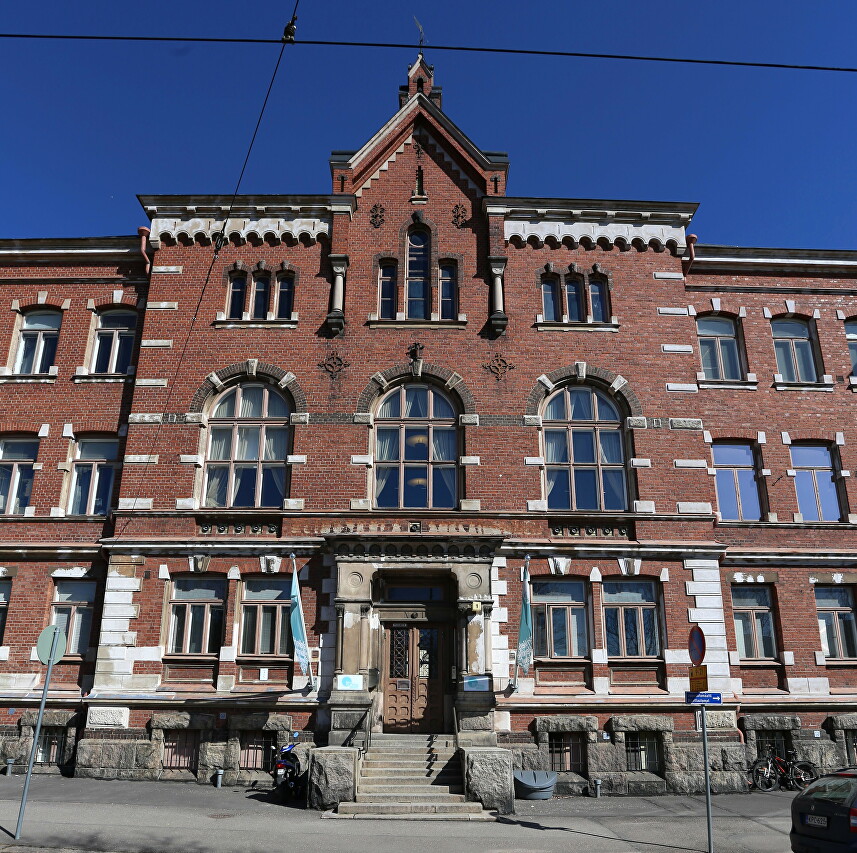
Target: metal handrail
455,727
367,724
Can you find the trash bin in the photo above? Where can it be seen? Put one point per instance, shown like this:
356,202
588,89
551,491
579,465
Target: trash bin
534,784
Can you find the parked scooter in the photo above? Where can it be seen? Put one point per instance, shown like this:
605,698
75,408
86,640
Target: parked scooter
286,774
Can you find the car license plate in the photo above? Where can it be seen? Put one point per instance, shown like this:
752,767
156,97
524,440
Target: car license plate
815,820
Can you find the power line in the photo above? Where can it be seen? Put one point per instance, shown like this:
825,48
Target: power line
572,54
220,240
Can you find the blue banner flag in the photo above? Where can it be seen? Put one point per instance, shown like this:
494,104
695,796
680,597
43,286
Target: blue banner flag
525,633
298,627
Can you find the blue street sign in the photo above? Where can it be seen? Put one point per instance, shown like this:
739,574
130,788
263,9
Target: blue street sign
703,698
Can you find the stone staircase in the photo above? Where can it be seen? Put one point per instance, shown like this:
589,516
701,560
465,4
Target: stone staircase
411,777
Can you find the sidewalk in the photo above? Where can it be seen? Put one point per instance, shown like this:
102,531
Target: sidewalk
155,817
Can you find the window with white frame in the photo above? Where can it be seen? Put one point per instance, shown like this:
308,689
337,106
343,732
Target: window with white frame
37,347
416,450
72,613
818,495
17,458
583,451
795,346
719,348
737,481
851,337
753,610
836,622
114,341
248,443
5,594
196,616
631,619
559,619
575,299
93,472
265,615
271,297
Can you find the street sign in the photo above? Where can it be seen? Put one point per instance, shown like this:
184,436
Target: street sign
43,644
698,678
692,698
696,645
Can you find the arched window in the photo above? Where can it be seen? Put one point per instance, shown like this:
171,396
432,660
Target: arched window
575,299
416,450
114,341
795,348
584,451
718,348
419,291
38,345
388,296
448,298
247,448
237,296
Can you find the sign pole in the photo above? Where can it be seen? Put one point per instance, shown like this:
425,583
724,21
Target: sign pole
36,732
707,780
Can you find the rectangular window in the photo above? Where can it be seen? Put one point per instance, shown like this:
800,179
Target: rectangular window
181,748
196,616
17,457
72,613
836,623
448,291
574,300
736,481
643,751
237,296
815,482
388,292
265,617
559,619
258,750
261,297
38,344
777,741
5,593
51,746
754,621
551,302
598,301
92,476
631,619
568,752
285,297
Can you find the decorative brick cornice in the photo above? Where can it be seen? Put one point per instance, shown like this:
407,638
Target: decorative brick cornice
599,376
253,370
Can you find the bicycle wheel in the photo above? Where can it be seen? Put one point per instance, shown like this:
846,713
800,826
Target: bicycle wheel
764,775
803,772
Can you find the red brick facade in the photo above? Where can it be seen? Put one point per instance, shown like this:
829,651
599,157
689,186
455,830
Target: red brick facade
496,355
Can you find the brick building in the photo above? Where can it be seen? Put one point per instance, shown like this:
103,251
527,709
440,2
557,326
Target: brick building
413,384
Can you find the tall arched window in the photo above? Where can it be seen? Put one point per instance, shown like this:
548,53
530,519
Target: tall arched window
584,451
419,290
416,450
247,447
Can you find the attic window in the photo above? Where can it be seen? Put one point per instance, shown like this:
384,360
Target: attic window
420,84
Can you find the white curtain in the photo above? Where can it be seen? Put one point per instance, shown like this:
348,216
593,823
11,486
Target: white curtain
247,446
446,476
251,401
387,445
556,446
215,490
610,447
276,443
443,445
221,440
416,403
382,477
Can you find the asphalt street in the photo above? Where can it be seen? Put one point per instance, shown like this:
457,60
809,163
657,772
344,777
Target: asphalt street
155,817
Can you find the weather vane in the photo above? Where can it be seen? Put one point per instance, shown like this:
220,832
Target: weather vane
422,33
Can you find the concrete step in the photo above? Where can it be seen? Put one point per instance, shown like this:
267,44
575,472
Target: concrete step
419,797
373,776
453,816
404,788
398,808
393,748
398,760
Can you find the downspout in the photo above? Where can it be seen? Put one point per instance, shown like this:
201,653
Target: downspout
144,238
687,263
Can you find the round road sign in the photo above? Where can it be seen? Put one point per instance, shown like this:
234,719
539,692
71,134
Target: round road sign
46,638
696,645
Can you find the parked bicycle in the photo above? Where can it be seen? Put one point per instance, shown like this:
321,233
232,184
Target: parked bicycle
769,772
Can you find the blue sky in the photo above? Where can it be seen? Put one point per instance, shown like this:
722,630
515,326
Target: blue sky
768,154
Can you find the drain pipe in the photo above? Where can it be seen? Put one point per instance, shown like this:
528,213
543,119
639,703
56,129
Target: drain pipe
144,236
687,263
597,789
218,777
10,762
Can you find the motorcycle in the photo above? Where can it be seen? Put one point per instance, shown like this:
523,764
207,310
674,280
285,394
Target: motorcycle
286,773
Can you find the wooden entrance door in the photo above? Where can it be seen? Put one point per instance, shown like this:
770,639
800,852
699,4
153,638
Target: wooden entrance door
416,676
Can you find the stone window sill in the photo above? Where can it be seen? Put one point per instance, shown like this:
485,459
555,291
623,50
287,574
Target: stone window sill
546,326
825,385
103,377
374,323
844,663
29,378
728,385
750,663
222,323
800,525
